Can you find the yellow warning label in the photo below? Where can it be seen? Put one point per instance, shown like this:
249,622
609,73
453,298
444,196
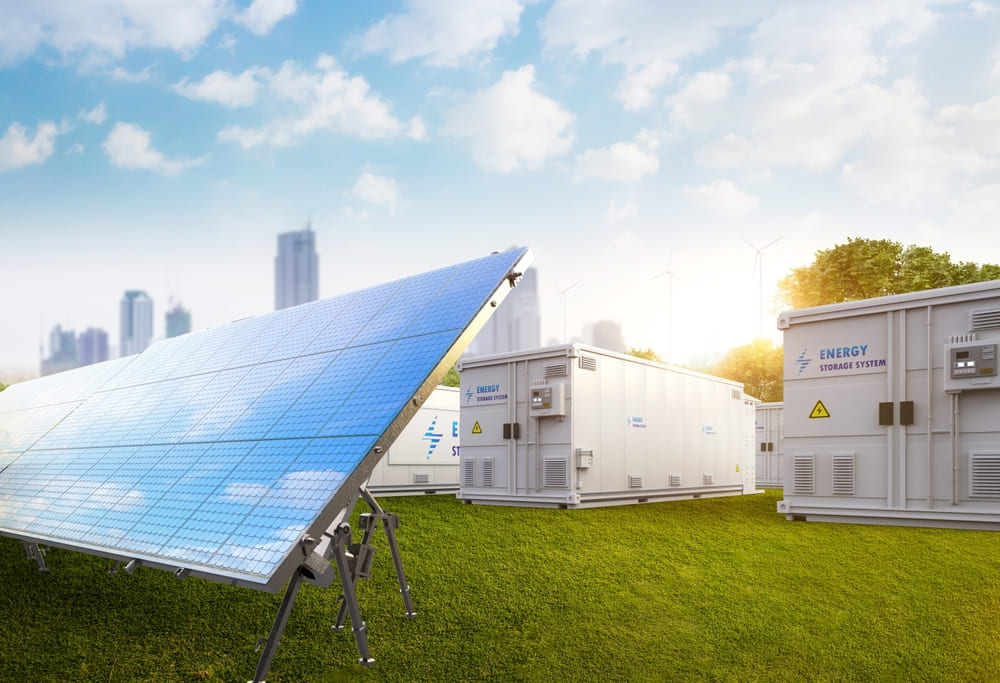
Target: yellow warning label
476,429
819,410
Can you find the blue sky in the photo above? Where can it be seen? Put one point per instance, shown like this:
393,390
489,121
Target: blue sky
164,145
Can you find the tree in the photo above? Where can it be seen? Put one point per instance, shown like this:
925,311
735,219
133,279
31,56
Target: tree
758,365
866,268
647,354
451,378
2,386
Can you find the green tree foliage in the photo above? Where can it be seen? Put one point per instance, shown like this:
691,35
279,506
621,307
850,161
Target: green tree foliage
866,268
759,365
647,354
2,386
451,377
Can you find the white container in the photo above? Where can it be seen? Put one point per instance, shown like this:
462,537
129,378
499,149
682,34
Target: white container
892,409
424,457
769,425
575,426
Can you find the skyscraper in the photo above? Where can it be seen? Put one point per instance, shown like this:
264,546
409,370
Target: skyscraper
178,321
92,346
296,276
62,351
136,322
516,325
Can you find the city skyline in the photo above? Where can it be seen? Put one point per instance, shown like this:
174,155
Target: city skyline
617,142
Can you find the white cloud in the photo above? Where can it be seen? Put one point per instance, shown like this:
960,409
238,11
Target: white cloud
637,89
17,150
76,148
647,37
510,125
729,151
977,124
224,88
98,29
262,15
697,103
619,213
723,196
376,189
120,74
96,115
128,146
622,161
324,98
443,32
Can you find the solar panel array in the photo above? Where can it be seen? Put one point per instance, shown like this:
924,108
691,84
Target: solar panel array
215,451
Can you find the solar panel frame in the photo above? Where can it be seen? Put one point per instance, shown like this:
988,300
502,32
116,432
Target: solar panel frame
126,422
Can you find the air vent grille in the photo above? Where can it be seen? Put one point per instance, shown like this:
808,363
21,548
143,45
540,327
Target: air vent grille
737,394
675,480
469,473
421,478
707,479
803,473
985,320
843,473
555,473
635,481
985,474
588,363
487,472
556,370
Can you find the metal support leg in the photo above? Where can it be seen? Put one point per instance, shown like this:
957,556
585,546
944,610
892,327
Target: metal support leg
390,522
342,539
37,553
274,637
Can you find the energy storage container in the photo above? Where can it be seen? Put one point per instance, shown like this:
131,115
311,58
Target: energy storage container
892,409
424,457
769,424
575,426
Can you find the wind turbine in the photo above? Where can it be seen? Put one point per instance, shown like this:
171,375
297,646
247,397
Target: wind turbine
670,303
563,302
758,267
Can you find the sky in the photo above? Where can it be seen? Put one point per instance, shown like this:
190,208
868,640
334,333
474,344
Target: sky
667,163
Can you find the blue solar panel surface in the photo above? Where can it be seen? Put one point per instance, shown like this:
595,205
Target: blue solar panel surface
215,451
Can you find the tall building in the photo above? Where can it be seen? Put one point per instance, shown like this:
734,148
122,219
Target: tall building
607,334
516,324
62,351
296,269
92,346
136,322
178,321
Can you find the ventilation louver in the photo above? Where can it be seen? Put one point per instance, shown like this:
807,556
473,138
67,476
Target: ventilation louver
469,473
707,479
421,478
675,480
487,472
635,481
984,320
555,473
556,370
588,363
985,474
843,473
803,473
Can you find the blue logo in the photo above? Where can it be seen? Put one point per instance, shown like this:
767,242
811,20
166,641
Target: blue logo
803,362
468,394
433,437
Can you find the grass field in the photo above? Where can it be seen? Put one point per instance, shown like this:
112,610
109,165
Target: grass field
713,589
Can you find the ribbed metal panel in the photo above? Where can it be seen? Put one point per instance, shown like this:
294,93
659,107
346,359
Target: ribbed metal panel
985,320
556,370
804,473
843,473
469,473
985,474
487,471
555,473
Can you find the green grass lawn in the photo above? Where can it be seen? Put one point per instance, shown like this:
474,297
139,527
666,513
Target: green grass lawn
713,589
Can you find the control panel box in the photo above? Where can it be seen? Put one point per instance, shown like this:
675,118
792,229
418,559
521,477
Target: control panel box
970,365
548,400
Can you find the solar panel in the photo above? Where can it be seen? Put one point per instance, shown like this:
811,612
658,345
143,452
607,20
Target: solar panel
213,453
